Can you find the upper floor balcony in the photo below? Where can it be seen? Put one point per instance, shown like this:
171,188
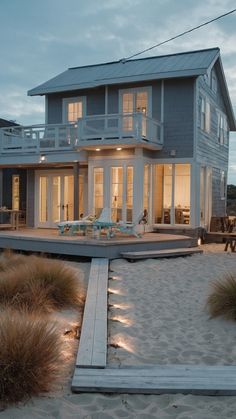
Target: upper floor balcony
90,132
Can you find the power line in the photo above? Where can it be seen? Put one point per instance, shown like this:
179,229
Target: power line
178,36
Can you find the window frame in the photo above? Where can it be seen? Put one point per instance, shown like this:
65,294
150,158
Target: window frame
205,114
74,99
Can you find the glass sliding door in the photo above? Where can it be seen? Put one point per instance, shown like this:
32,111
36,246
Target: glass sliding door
129,193
54,199
182,194
98,190
68,201
171,199
133,101
43,200
117,193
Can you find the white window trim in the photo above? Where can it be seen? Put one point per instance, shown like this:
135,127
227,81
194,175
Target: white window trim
222,132
207,114
147,89
223,185
73,99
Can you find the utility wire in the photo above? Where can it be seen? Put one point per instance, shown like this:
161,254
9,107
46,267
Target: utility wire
178,36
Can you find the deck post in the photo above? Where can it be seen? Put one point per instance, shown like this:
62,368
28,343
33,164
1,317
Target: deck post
76,190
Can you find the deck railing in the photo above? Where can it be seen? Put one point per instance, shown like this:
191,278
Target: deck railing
119,128
90,131
38,138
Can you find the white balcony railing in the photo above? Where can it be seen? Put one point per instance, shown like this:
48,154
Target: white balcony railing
90,131
38,138
119,128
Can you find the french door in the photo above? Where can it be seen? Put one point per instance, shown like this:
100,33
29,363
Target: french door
54,198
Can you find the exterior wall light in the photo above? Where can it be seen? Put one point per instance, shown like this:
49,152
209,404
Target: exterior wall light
119,149
42,158
98,149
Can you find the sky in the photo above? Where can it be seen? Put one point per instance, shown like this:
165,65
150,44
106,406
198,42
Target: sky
42,38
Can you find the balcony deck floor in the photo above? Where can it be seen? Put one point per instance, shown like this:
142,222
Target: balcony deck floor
49,241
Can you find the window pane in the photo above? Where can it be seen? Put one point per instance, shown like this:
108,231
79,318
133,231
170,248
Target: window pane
116,193
129,194
43,189
98,190
182,193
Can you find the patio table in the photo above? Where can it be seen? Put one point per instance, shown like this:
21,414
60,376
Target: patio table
98,226
14,218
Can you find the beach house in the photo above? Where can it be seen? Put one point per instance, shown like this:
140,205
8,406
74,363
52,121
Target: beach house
144,135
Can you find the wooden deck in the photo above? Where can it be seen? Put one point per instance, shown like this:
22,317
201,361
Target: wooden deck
158,379
49,241
92,351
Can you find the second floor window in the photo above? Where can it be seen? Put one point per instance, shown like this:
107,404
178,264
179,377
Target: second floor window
222,129
134,101
205,114
73,109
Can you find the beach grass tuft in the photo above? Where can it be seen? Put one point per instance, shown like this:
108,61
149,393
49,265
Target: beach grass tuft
30,357
40,284
222,299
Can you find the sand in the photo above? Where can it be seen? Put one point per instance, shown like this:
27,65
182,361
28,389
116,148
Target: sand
159,317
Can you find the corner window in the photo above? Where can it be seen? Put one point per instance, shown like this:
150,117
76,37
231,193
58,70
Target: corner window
205,114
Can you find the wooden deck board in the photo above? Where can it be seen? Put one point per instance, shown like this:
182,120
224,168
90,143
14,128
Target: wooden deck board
207,380
161,253
93,340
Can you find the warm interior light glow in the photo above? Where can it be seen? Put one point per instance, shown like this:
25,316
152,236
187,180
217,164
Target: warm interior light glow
98,149
119,149
199,242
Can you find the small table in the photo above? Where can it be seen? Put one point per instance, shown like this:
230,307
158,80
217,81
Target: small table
14,218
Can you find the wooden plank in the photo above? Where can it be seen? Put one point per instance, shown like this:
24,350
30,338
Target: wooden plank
206,380
161,253
92,351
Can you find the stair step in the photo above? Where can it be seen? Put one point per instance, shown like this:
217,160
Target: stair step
165,253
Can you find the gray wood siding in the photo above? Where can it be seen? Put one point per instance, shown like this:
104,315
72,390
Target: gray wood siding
218,204
208,148
95,101
178,118
30,198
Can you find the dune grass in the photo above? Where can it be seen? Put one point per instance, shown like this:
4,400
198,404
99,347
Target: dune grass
9,260
40,284
31,359
222,299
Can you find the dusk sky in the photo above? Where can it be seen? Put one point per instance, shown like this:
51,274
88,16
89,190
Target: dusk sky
40,39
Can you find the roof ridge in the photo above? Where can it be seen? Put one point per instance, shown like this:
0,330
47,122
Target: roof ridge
123,60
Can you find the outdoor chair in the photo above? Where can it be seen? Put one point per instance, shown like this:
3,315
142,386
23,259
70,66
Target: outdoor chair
130,228
71,227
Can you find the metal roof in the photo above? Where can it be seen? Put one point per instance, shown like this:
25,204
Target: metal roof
193,63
